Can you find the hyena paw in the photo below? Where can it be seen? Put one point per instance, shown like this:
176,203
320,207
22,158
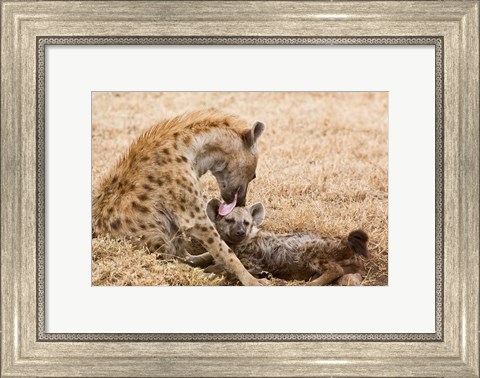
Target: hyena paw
352,279
252,281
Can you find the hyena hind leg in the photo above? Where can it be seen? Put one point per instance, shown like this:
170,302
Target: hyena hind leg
331,272
350,279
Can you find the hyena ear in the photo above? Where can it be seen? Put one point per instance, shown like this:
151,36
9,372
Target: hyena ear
252,135
212,209
258,213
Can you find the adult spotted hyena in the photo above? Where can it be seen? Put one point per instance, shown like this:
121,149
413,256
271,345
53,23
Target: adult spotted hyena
152,195
295,256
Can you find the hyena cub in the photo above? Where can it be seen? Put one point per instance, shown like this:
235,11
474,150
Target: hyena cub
295,256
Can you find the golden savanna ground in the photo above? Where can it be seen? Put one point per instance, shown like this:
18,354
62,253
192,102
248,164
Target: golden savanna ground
323,167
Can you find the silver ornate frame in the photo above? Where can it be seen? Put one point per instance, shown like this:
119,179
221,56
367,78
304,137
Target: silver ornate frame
452,26
42,42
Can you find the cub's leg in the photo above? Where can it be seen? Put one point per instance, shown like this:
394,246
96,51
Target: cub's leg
217,268
352,267
195,253
199,261
331,271
209,237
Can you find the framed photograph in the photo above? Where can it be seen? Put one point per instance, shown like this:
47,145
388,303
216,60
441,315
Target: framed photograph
240,188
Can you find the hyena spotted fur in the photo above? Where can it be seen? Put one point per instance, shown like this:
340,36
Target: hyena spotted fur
153,195
294,256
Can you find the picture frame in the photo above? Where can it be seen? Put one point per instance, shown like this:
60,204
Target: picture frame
452,26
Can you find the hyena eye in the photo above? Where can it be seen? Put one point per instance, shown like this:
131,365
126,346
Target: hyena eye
229,220
246,223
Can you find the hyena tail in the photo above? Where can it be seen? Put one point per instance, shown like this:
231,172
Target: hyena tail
357,241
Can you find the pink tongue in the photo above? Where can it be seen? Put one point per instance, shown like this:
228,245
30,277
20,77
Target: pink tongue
227,208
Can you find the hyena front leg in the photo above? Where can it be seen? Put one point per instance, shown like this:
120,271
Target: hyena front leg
331,271
209,237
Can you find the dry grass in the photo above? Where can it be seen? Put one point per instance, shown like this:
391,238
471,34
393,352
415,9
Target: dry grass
323,168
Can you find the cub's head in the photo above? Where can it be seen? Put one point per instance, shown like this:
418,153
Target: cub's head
240,225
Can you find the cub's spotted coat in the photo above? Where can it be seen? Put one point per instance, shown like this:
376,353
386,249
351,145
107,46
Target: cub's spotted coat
295,256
